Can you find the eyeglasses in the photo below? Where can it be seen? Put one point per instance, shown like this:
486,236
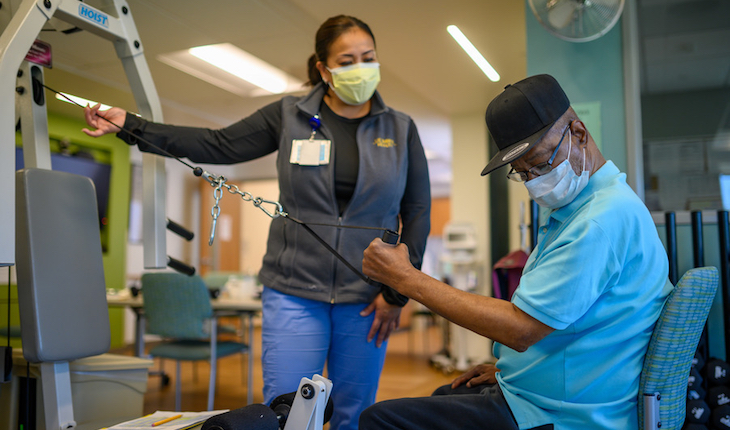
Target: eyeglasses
539,169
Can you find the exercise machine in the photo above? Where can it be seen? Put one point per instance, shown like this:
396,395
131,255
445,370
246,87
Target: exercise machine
22,101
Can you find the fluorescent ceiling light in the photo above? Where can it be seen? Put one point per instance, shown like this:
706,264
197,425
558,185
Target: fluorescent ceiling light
232,69
473,52
65,97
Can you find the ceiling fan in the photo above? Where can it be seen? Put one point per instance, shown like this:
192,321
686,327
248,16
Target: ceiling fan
577,20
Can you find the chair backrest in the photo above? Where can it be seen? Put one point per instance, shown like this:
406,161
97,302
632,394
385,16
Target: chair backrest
219,279
673,344
176,305
61,287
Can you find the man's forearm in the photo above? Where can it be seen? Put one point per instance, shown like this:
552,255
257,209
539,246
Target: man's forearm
495,319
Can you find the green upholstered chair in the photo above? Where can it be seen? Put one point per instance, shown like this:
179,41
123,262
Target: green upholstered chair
216,281
663,384
177,308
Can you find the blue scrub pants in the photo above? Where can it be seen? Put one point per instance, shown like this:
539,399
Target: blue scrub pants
300,335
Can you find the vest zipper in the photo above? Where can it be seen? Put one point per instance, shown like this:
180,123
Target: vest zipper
333,294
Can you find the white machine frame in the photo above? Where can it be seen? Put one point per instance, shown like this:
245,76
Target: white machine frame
310,402
21,22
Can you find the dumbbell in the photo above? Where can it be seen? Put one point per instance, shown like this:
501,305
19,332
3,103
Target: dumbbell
698,412
696,393
694,385
721,418
717,372
698,361
718,396
695,378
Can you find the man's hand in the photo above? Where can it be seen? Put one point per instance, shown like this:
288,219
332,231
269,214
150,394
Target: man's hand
95,118
383,262
387,319
478,375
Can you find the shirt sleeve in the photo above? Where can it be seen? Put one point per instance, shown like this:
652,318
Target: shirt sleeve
569,275
416,202
415,212
247,139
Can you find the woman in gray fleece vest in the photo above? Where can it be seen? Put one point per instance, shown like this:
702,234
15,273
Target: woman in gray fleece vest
344,158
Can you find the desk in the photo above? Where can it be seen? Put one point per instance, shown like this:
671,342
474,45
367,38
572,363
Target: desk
222,306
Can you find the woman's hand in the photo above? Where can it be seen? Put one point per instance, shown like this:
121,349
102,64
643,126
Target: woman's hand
387,319
478,375
95,118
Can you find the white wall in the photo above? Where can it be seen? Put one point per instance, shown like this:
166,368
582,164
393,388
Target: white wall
255,224
470,204
519,213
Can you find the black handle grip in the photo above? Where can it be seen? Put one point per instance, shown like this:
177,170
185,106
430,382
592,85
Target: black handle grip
390,237
180,266
180,230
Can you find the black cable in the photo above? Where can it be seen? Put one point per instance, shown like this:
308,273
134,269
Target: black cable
199,171
9,297
27,394
358,227
165,152
390,237
332,250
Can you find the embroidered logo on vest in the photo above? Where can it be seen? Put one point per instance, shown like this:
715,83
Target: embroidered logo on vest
384,143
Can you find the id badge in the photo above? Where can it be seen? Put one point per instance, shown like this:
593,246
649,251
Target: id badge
310,152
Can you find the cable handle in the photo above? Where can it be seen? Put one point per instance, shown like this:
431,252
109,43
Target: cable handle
390,237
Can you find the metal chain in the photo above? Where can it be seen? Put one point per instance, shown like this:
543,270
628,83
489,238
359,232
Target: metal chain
216,210
219,182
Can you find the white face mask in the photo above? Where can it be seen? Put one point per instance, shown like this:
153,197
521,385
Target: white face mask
561,186
355,84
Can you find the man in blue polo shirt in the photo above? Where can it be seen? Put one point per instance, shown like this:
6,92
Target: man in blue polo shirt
571,343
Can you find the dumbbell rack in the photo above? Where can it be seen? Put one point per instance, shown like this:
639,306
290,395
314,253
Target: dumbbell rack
708,391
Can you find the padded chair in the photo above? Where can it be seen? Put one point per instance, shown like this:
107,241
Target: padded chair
664,378
61,287
216,281
177,308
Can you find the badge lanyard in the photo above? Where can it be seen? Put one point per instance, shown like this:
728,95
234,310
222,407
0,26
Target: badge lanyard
316,123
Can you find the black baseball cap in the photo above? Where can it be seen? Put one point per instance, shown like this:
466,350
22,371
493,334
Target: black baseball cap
521,115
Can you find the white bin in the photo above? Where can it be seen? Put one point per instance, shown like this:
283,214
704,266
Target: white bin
106,389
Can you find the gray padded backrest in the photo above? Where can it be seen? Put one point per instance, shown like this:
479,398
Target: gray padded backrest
61,288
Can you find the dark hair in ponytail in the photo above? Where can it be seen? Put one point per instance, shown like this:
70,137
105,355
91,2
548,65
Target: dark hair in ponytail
328,32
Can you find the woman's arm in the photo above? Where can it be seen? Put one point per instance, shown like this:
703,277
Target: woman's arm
247,139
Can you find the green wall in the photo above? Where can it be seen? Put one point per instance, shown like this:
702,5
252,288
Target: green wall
115,236
588,72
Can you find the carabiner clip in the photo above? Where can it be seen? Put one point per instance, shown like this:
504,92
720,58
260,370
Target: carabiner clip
277,213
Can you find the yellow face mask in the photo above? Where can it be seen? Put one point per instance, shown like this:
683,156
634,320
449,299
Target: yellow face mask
355,84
